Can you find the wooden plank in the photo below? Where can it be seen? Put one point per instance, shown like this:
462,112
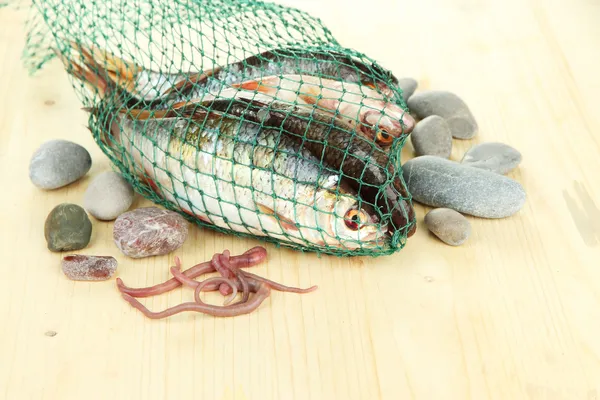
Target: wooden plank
514,313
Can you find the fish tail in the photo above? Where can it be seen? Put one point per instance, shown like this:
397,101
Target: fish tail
117,70
84,73
95,76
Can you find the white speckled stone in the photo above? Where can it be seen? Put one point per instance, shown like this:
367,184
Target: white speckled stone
149,231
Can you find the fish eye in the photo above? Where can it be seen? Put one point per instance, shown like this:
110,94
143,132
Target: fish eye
355,219
383,137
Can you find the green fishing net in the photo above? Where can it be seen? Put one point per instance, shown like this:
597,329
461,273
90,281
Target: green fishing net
246,117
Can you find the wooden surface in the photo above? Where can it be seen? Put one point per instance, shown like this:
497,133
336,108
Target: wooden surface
512,314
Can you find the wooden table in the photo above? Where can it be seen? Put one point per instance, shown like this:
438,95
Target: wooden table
512,314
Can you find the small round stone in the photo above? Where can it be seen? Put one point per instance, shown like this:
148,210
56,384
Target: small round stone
67,228
449,226
496,157
149,231
58,163
408,86
432,137
448,106
89,268
108,196
441,183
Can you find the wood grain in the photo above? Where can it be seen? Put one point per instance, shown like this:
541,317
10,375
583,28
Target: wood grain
512,314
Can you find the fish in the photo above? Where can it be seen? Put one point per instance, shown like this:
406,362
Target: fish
235,174
361,105
380,121
367,169
328,64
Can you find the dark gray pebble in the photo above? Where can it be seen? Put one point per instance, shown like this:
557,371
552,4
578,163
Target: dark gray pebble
67,228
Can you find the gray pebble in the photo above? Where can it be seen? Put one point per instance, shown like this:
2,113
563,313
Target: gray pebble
408,86
448,106
439,182
496,157
67,228
58,163
449,226
108,196
432,136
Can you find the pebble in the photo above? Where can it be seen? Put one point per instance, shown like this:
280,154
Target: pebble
58,163
149,231
449,226
89,268
438,182
408,86
448,106
496,157
432,136
108,196
67,228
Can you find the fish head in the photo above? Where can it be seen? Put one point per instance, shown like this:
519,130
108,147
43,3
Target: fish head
384,122
349,222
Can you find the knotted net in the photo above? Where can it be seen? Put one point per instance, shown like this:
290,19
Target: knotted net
246,117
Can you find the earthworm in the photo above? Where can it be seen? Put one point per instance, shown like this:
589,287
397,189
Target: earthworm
223,289
278,286
249,258
207,285
216,279
224,264
262,293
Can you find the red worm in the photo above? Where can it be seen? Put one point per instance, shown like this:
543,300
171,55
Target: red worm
279,286
262,293
248,259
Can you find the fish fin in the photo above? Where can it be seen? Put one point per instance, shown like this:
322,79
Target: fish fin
253,86
143,115
286,223
311,96
185,85
183,112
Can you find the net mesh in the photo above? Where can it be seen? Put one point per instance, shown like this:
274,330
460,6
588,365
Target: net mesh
246,117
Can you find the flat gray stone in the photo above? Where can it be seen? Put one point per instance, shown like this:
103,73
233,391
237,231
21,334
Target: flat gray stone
450,226
496,157
58,163
67,228
408,86
432,137
108,196
438,182
448,106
